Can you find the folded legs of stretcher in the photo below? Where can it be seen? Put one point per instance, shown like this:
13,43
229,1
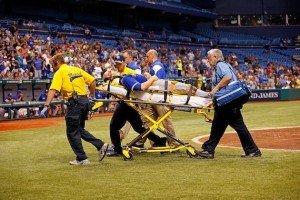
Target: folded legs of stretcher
158,147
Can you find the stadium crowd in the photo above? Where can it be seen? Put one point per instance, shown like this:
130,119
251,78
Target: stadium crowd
26,56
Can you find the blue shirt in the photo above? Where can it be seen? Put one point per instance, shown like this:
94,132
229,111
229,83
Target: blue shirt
100,95
38,63
158,69
223,69
133,82
43,97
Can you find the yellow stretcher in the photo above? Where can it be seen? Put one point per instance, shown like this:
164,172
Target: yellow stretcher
156,125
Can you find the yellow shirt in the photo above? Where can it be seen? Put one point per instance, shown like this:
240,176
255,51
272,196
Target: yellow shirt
128,71
298,83
179,64
62,81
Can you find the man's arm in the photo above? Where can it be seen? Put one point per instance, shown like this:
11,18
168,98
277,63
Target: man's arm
92,89
50,96
224,82
148,83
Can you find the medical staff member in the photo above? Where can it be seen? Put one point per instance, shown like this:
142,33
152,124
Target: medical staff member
71,82
128,58
156,111
223,117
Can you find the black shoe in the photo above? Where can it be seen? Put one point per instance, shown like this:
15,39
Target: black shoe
111,152
205,154
252,155
114,154
162,142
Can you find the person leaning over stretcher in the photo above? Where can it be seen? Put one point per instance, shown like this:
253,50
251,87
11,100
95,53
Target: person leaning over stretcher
123,113
157,82
154,111
133,81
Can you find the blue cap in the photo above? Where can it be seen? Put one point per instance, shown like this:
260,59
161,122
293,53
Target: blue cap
19,91
119,59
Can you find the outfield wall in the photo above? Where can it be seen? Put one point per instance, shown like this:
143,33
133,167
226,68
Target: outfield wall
32,89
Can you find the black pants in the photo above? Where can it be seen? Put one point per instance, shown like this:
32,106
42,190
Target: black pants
75,120
234,118
122,114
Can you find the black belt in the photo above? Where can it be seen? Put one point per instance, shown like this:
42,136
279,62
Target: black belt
79,96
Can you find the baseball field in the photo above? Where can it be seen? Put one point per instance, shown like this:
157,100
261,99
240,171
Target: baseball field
35,154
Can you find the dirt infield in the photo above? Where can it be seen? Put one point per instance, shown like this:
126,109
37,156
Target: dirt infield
30,123
36,123
282,138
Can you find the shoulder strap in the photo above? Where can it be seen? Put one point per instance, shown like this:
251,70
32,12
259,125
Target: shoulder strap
109,83
231,69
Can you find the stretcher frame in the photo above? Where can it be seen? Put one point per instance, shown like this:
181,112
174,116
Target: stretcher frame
129,148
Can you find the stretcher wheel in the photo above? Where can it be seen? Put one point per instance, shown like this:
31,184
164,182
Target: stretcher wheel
191,152
127,155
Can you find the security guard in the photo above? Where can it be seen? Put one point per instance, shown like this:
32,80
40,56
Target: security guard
71,82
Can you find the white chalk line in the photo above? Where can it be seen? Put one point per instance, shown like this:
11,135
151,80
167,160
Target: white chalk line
197,139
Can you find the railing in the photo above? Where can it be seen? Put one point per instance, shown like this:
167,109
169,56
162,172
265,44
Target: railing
10,107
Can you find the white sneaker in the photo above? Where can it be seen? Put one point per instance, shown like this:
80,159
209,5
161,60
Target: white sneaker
102,151
82,162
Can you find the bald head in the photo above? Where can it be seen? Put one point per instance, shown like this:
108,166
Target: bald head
151,56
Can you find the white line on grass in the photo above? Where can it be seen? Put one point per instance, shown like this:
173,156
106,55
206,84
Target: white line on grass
197,139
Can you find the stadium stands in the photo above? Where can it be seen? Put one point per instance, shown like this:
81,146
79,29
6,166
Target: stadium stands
265,62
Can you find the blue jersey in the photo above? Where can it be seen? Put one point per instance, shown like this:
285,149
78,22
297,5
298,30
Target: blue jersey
38,63
133,82
158,69
100,95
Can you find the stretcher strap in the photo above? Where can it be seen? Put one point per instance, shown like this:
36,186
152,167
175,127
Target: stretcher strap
128,93
110,80
172,86
166,91
189,94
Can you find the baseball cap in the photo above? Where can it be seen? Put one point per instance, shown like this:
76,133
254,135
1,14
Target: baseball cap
19,91
119,59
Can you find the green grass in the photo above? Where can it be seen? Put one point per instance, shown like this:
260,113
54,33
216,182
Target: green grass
34,165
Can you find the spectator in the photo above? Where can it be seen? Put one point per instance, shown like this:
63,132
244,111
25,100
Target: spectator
12,111
38,66
87,33
179,66
2,113
20,96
